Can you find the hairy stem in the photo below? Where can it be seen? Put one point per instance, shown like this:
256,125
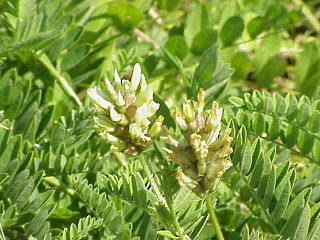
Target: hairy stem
61,80
153,183
175,222
213,218
162,200
57,183
308,14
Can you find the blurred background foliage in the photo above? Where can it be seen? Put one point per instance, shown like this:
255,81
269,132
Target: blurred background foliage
270,45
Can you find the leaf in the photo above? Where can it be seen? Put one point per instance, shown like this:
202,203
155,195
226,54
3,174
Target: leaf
177,46
305,62
27,112
314,125
11,151
22,8
275,66
7,81
282,203
139,191
292,104
258,123
74,56
236,101
69,39
269,191
204,40
305,142
206,67
17,185
280,105
303,114
231,30
124,15
167,234
274,129
241,64
25,194
165,112
197,20
168,4
257,172
314,233
246,160
37,224
256,26
217,85
302,229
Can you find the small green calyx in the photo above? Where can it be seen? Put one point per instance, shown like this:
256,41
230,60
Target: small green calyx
124,119
203,157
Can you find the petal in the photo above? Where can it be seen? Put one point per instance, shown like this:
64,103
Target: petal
117,78
110,90
135,80
142,113
114,115
97,99
145,95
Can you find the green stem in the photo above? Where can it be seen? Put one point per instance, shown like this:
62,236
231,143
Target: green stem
308,14
162,200
55,182
213,218
153,183
61,80
175,222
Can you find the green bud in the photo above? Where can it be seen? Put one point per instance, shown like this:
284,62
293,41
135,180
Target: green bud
119,144
145,95
117,81
138,134
110,90
155,130
188,110
105,123
180,120
185,180
119,99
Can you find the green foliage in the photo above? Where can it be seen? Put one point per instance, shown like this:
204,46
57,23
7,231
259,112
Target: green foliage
259,59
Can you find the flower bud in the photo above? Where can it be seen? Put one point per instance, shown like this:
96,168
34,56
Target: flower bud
155,130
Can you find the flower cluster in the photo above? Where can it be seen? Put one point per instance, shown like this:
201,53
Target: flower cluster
203,158
124,118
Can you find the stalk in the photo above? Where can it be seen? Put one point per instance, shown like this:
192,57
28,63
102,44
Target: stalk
61,80
213,218
153,183
162,200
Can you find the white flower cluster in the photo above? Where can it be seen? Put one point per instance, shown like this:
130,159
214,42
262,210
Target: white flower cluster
204,156
124,118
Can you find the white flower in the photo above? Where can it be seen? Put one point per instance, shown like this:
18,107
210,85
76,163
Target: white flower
127,112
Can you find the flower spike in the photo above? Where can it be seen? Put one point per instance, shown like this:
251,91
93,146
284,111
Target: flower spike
203,157
124,120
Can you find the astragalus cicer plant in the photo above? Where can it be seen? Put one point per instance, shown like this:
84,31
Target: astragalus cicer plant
245,151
